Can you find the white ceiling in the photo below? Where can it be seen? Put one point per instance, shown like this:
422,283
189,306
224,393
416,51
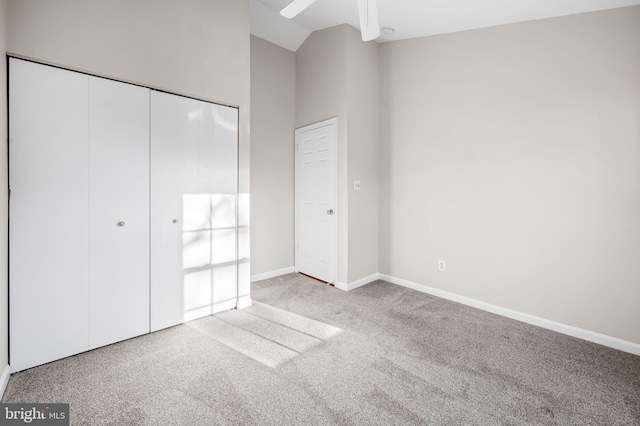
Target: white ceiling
411,18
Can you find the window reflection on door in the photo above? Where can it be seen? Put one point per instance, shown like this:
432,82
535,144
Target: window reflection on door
209,253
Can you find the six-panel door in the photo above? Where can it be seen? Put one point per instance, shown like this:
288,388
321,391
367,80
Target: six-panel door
315,201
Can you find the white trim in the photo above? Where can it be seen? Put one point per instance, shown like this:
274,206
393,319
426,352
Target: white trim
325,123
318,125
590,336
4,379
272,274
225,305
358,283
244,301
341,286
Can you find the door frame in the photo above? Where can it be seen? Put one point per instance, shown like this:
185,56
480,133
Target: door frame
325,123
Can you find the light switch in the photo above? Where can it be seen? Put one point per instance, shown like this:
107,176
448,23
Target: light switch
357,185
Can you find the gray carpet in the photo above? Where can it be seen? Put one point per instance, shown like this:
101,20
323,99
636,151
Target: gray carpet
310,354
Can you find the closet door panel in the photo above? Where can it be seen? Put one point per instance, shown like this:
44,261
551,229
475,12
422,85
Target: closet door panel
217,188
218,150
176,213
48,214
118,211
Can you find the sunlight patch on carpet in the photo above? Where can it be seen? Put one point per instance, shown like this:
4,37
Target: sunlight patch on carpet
266,334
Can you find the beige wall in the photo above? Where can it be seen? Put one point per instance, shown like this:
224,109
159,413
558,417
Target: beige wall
321,93
362,154
513,153
4,210
194,47
337,76
273,113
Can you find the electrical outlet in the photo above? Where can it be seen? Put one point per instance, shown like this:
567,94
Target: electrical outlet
441,265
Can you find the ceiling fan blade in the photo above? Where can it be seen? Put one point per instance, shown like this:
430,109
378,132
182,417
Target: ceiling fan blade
369,25
295,7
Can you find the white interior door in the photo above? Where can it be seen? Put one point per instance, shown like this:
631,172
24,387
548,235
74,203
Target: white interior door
48,233
316,206
174,180
118,211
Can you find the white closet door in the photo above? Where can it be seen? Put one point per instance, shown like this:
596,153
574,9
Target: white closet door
118,211
48,214
174,185
193,199
217,192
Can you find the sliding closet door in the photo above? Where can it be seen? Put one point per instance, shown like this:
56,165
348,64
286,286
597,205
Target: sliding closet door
118,211
217,191
174,181
48,237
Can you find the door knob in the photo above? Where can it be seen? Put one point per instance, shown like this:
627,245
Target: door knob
175,221
330,212
120,223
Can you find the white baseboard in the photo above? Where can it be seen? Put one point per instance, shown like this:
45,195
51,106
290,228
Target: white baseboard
225,305
580,333
272,274
4,379
244,302
341,286
359,283
591,336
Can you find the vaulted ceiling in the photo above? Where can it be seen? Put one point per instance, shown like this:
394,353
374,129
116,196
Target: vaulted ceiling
411,18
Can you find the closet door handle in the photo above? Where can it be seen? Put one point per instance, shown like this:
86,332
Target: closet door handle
120,224
175,221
